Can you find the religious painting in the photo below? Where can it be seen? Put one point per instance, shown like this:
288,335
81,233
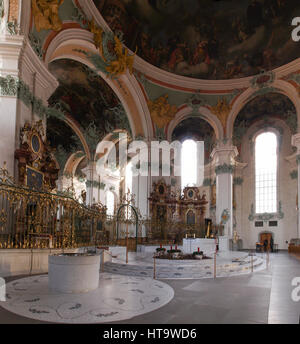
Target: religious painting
190,218
87,100
161,213
207,39
34,178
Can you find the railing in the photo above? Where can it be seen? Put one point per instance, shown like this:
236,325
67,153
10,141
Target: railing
36,219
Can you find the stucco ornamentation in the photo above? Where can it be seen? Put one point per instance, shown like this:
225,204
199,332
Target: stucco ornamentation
222,111
224,169
113,58
225,217
162,112
45,13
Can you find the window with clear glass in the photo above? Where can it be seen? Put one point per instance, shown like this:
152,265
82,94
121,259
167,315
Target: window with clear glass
128,178
189,160
266,173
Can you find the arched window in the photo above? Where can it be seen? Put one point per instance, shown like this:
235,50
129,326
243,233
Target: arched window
189,160
266,173
110,203
128,178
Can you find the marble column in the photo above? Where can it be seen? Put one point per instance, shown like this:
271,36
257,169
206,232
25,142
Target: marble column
296,143
223,157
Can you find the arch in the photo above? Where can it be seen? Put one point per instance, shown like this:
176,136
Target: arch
73,162
204,113
126,87
279,86
122,206
78,132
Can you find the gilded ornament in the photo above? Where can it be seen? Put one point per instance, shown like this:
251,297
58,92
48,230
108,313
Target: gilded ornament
222,111
45,13
161,111
97,31
123,60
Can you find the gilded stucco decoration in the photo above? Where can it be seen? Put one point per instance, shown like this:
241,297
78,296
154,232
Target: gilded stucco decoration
162,112
222,111
45,13
113,59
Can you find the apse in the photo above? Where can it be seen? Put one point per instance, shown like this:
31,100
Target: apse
264,111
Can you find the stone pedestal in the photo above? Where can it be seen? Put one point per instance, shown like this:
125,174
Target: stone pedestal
74,273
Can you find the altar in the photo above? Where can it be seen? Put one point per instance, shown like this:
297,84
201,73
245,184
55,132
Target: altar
190,245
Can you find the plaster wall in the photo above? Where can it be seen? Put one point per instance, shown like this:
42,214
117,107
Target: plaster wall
287,193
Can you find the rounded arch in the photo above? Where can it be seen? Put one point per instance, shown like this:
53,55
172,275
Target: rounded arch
279,86
72,163
204,113
127,89
78,132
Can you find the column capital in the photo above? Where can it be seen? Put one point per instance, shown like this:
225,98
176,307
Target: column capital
224,153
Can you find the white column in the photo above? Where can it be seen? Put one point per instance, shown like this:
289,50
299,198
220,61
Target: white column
10,50
296,143
140,185
92,194
223,156
18,62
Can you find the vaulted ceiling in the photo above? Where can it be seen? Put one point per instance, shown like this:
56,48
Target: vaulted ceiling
207,39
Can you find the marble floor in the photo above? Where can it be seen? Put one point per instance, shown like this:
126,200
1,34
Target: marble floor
259,298
227,264
117,298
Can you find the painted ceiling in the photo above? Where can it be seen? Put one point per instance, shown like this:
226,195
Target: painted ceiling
88,101
207,39
266,107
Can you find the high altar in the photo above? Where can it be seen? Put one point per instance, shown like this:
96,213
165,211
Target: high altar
188,208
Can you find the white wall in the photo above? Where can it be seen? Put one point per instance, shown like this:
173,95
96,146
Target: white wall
287,193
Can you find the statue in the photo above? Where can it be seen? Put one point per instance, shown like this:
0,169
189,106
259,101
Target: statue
45,13
235,237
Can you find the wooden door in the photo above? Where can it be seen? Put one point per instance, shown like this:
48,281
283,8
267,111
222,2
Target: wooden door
266,236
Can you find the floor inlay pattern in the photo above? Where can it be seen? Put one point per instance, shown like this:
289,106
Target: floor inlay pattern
227,265
117,298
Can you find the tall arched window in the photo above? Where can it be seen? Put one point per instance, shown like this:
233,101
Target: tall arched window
189,163
266,173
110,203
128,178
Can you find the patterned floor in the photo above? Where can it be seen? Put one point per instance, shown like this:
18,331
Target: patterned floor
228,264
117,298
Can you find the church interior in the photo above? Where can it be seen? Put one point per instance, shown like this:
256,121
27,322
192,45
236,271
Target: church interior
149,161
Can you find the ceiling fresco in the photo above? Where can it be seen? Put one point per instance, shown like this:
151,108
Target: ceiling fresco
268,108
207,39
197,129
62,139
88,100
